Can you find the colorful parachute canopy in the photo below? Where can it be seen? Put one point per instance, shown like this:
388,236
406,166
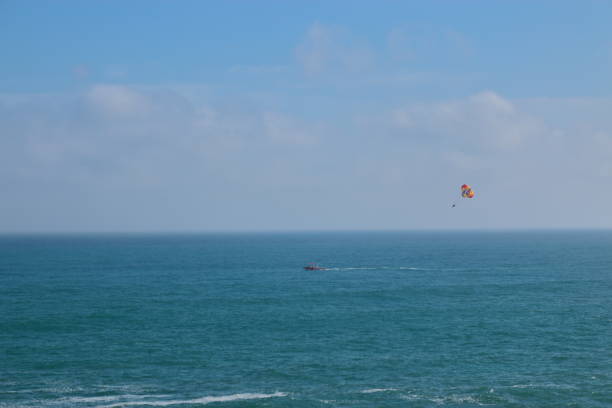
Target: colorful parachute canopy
466,191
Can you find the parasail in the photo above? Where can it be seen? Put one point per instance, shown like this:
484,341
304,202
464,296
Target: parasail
466,191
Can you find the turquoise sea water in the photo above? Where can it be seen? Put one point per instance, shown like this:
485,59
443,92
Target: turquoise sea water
502,319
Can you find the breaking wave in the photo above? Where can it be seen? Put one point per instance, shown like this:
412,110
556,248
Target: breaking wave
201,401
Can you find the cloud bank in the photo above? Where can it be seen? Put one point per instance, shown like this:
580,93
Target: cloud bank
146,159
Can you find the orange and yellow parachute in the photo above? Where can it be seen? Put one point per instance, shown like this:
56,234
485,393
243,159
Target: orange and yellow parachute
466,191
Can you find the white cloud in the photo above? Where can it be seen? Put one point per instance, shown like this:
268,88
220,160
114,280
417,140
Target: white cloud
534,163
316,49
118,100
114,147
332,49
124,157
485,120
336,53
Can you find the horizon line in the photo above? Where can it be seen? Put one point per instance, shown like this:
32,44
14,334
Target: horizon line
303,231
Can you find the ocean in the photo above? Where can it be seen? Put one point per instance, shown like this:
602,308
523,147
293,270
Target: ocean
399,319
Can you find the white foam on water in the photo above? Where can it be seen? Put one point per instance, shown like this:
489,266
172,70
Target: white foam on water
457,399
202,401
373,390
412,397
20,391
110,398
463,399
95,399
450,399
545,385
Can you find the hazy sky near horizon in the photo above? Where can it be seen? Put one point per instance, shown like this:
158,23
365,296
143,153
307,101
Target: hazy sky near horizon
313,115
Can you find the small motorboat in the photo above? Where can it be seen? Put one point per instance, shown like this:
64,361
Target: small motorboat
313,267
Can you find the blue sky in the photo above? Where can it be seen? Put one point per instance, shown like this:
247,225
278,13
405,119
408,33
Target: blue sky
271,115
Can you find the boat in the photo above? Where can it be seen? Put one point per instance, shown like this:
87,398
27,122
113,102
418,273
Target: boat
313,267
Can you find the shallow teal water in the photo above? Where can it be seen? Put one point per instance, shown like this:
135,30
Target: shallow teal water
400,320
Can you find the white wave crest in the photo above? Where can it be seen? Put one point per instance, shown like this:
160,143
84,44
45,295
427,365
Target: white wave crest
201,401
545,385
373,390
109,398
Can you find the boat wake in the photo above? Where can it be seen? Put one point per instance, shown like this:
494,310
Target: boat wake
374,268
